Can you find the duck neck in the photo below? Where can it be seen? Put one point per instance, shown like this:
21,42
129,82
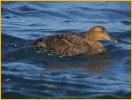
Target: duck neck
89,37
92,42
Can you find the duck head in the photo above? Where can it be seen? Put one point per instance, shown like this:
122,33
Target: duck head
99,33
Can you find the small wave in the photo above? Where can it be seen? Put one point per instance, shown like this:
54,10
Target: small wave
32,72
25,8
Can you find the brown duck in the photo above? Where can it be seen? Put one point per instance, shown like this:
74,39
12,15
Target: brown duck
69,44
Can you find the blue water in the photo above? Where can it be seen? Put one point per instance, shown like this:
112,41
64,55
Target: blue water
31,72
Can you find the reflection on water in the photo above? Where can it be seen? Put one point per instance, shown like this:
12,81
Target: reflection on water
95,64
31,72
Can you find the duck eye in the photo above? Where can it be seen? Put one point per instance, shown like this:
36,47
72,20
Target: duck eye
99,31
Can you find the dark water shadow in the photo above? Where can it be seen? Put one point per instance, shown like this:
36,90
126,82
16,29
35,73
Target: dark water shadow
92,64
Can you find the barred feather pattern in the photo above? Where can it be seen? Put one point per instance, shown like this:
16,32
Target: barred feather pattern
65,44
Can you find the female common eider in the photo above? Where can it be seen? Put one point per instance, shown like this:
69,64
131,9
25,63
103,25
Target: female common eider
70,44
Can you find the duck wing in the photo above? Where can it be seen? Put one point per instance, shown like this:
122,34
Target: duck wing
69,38
68,44
52,41
65,44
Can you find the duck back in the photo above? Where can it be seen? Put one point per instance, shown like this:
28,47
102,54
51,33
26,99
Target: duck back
65,44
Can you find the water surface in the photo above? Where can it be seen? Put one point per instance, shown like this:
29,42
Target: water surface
31,72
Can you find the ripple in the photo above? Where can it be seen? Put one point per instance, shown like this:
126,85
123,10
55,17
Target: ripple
31,72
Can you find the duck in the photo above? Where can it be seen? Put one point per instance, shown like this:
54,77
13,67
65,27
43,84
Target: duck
74,43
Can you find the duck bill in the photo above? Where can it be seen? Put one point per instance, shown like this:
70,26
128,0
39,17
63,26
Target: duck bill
112,40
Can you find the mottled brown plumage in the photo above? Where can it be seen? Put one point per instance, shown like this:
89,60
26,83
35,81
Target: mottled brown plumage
73,43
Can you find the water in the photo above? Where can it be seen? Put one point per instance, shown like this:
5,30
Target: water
31,72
